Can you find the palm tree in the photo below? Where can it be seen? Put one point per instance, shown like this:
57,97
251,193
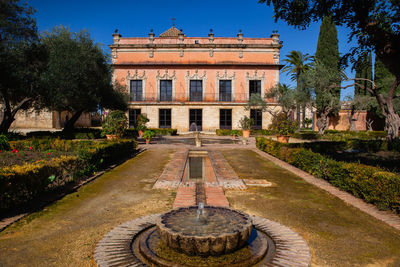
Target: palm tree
297,64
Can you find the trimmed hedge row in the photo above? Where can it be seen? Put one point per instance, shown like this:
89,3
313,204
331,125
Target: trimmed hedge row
133,133
225,132
78,133
369,183
21,184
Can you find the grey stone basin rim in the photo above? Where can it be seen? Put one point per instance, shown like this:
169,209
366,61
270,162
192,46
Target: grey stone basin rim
115,247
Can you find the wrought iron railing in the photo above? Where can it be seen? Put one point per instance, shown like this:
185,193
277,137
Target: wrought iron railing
194,97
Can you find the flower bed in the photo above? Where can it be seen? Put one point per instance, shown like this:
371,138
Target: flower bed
372,184
22,183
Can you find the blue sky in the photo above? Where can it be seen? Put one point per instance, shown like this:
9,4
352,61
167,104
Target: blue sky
135,18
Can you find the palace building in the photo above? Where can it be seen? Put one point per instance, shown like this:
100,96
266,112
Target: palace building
178,80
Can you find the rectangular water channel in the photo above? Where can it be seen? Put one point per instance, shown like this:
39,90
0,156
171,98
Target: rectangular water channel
198,168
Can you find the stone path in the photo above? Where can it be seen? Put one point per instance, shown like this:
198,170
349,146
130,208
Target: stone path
385,216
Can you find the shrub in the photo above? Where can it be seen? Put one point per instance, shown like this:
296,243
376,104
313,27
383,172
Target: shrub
141,122
245,123
4,145
21,184
115,123
148,134
78,133
281,124
305,135
369,183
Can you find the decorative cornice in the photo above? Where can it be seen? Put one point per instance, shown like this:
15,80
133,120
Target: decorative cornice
205,45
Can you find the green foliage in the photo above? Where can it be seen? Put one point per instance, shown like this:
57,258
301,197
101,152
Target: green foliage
115,123
246,123
281,124
4,145
141,122
77,133
148,134
369,183
305,135
308,121
78,77
327,55
226,132
363,69
285,96
21,184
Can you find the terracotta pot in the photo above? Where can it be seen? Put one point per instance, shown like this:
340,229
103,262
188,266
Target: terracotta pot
147,141
234,137
140,133
246,133
111,136
283,138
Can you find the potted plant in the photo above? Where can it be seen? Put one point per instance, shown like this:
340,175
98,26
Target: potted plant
141,124
235,134
246,124
114,124
148,134
283,126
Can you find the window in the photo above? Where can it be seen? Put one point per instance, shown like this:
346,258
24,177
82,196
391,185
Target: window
225,90
195,120
133,115
225,119
256,115
165,90
196,90
136,90
164,118
254,87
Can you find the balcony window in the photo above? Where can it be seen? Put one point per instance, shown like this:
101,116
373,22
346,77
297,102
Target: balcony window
254,87
136,90
165,90
225,90
196,90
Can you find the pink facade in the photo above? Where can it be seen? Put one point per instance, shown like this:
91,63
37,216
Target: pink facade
142,64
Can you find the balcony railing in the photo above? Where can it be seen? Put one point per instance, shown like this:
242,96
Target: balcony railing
208,97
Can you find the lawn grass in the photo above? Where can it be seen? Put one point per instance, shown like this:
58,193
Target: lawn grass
66,232
338,234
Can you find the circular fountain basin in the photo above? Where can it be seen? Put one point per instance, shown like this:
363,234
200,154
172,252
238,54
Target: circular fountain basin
218,231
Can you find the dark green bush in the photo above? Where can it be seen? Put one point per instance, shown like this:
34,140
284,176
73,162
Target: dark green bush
305,135
369,183
4,144
78,133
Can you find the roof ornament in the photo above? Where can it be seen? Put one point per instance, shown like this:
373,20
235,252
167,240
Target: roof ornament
173,21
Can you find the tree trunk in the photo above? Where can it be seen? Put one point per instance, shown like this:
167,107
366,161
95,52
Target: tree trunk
303,111
70,124
392,126
322,123
9,113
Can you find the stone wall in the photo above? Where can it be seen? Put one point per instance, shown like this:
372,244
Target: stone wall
210,116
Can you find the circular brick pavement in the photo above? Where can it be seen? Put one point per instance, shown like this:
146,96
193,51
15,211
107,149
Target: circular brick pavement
115,247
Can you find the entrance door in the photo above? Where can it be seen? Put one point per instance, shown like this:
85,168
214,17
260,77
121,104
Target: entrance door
195,117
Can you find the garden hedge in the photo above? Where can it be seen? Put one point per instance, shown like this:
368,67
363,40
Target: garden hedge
225,132
22,184
372,184
133,133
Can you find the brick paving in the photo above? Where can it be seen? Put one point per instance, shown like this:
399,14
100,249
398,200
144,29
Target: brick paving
215,196
185,196
173,172
384,216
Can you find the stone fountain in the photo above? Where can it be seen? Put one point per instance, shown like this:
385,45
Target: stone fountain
193,128
202,236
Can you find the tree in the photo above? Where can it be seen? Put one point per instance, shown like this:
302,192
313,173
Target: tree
327,58
283,95
297,64
354,106
78,76
375,26
363,69
323,83
22,61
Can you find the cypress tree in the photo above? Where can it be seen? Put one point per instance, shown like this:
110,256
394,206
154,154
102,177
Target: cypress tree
328,50
363,70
